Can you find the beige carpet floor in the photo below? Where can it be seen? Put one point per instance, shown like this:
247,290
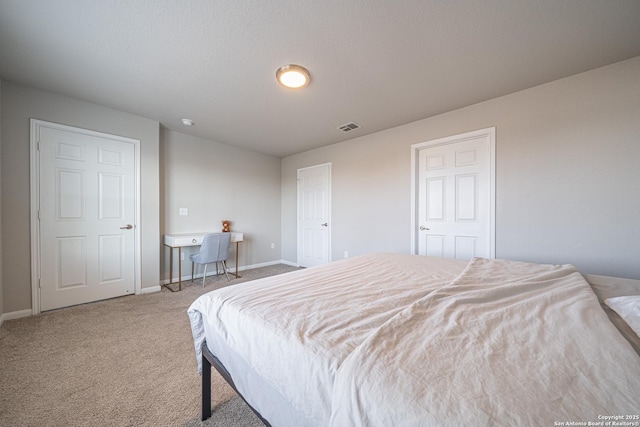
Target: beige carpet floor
122,362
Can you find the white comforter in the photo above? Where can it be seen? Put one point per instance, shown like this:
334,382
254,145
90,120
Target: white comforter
506,343
401,340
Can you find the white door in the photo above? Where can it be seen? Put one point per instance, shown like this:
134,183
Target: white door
314,225
455,196
87,211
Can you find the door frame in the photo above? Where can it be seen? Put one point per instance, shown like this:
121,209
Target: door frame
298,199
34,209
415,158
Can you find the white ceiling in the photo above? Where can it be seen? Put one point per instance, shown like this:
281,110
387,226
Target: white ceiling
379,63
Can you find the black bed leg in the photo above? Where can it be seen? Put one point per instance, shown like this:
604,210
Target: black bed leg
206,389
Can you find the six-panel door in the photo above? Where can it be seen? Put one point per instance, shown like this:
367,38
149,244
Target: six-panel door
87,217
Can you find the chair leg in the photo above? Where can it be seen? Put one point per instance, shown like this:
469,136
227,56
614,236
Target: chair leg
192,267
224,266
204,275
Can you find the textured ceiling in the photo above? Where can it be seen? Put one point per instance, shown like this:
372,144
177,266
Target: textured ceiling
378,63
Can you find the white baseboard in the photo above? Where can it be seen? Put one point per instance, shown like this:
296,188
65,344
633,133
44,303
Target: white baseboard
15,315
266,264
150,290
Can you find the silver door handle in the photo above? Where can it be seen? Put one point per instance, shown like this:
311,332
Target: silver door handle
326,224
423,228
127,227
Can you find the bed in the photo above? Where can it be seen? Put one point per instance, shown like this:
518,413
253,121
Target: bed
396,339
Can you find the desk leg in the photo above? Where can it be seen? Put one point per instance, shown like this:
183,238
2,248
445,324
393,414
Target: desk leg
171,282
179,268
170,264
236,273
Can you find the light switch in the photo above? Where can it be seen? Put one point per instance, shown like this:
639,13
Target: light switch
184,211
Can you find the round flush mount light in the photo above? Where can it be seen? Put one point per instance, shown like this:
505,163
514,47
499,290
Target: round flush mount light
293,76
187,122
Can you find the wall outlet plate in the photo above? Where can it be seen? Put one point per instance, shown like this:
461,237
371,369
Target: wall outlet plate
184,211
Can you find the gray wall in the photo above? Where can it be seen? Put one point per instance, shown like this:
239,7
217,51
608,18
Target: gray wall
19,104
568,175
217,182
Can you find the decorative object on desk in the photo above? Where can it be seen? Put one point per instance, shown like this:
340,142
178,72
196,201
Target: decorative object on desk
226,226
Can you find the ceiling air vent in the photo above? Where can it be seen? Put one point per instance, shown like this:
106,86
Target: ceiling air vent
349,127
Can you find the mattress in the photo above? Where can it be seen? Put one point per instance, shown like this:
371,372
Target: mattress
390,339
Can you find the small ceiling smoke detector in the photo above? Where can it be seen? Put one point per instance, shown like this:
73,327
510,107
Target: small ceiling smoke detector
187,122
293,76
349,127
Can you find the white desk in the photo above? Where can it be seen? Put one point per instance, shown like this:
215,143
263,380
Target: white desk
179,241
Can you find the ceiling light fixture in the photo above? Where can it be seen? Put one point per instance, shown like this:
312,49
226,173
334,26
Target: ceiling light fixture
187,122
293,76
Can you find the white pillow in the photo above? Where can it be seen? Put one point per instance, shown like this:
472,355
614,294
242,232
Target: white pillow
628,308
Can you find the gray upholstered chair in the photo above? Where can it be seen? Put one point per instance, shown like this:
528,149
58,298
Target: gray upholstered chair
214,248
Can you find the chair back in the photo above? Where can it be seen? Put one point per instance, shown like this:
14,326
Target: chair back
214,248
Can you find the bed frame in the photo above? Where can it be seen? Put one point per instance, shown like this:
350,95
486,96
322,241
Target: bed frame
208,360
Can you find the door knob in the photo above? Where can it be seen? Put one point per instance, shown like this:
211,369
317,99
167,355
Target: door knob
127,227
326,224
423,228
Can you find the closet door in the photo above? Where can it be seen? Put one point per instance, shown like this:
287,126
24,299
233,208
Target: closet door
314,209
455,197
87,211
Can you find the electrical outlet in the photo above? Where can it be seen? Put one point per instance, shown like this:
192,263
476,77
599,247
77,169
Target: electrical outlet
273,246
184,211
182,256
346,254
